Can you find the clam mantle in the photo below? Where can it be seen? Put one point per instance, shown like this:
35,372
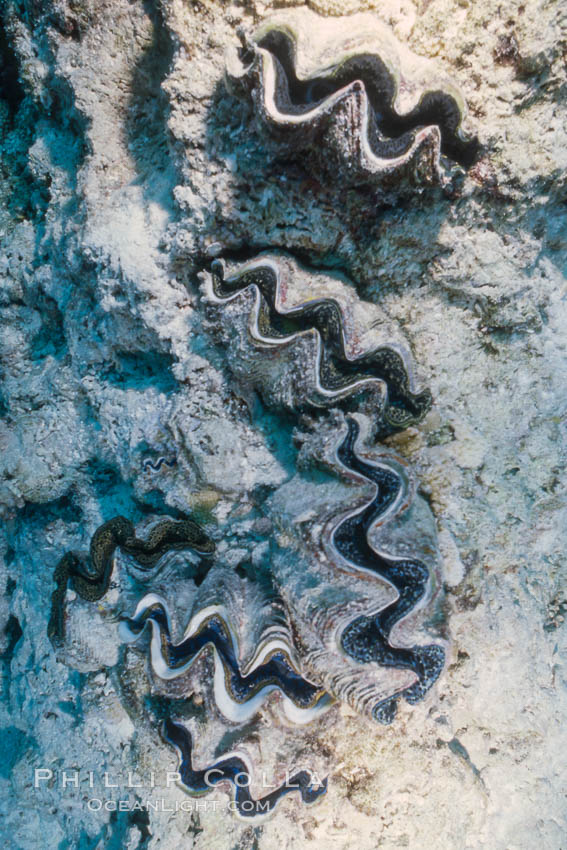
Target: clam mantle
346,93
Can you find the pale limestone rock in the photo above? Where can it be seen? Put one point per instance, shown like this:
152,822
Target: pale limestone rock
126,168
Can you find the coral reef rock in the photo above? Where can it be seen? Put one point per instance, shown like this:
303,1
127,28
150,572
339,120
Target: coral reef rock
382,551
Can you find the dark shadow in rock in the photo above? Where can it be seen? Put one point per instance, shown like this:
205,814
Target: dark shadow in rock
140,370
13,633
146,119
117,497
15,743
60,125
4,407
65,508
11,90
50,339
119,826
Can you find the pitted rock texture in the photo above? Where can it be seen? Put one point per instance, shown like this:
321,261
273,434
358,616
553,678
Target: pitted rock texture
126,168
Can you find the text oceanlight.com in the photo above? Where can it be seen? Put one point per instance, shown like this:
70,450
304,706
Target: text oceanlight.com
159,804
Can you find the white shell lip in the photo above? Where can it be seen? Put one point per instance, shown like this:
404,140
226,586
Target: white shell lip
323,44
297,287
320,47
349,98
236,712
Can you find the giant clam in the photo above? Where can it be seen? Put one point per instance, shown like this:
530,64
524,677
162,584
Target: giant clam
305,341
90,577
354,574
341,619
234,768
243,679
360,580
344,91
368,637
